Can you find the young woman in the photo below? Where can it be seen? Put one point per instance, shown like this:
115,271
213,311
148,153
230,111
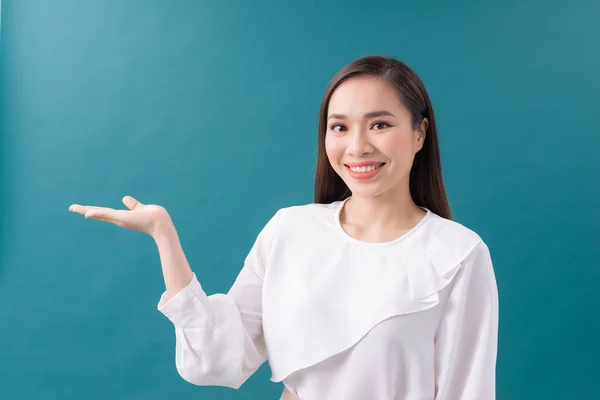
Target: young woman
370,293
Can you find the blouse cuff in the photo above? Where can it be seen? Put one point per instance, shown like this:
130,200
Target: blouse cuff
176,309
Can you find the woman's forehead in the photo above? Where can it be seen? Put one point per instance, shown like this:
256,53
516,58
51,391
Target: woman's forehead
360,96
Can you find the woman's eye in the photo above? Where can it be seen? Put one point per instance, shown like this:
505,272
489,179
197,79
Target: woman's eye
338,128
380,125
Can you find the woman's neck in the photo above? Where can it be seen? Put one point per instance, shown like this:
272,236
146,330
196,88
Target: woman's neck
381,218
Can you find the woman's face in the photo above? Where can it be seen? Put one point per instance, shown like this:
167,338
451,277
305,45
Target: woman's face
370,141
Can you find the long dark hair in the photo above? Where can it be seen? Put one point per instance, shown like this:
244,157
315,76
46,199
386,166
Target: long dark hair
426,183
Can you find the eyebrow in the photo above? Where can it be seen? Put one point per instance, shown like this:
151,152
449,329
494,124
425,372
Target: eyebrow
372,114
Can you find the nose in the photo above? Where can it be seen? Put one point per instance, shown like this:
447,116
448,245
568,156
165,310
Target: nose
359,143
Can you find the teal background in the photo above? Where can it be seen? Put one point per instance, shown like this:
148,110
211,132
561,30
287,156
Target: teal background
210,109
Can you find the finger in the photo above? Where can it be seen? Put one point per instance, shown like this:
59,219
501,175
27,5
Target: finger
83,209
107,214
132,203
116,217
106,217
121,218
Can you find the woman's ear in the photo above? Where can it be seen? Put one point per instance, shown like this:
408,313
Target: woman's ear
422,133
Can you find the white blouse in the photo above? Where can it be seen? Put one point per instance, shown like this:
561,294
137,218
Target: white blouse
415,318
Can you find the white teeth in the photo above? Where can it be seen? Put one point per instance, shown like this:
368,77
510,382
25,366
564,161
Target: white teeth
368,168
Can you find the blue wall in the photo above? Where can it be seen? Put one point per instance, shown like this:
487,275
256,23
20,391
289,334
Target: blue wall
210,109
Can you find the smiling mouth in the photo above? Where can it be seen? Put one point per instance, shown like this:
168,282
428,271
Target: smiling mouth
365,171
364,168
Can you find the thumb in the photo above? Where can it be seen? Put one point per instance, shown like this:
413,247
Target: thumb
132,203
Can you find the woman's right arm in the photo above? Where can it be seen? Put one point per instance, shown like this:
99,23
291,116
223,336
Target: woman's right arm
219,338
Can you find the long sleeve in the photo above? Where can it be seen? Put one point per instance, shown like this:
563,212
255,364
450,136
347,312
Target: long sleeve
467,338
219,338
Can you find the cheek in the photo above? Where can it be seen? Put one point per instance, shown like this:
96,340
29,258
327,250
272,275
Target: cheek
333,149
398,148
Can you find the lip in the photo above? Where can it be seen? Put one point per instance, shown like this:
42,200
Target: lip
363,176
363,163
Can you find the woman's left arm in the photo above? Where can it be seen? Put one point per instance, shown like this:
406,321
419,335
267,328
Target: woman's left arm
467,338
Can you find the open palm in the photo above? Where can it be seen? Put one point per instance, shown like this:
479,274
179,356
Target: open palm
138,217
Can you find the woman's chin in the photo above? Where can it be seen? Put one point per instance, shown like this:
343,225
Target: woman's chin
365,193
